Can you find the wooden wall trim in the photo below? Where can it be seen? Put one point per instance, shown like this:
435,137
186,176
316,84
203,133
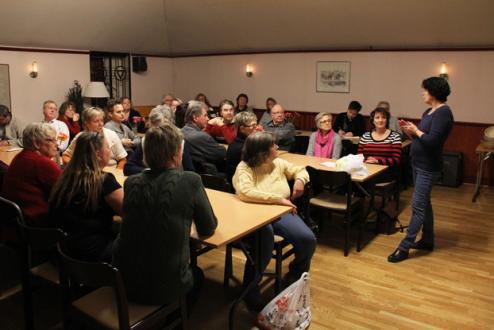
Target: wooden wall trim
44,50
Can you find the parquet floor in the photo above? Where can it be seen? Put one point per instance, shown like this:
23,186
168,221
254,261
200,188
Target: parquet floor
450,288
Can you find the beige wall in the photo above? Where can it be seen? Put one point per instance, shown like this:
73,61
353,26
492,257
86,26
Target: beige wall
375,76
148,87
57,72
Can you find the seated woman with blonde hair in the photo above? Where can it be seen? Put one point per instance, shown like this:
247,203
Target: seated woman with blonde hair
93,121
85,199
324,142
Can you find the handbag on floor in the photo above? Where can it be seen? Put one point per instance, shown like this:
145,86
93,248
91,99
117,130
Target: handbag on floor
290,309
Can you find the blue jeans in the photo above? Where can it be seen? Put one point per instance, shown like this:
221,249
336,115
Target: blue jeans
292,228
422,215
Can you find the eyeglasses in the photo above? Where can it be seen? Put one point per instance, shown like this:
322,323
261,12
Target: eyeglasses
251,125
327,121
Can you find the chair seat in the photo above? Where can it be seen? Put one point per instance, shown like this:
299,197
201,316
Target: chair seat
385,185
278,239
331,201
47,271
101,306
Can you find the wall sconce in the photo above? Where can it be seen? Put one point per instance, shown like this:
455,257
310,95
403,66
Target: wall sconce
34,70
248,70
444,71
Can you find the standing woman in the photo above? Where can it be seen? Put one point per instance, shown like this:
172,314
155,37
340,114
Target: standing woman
324,142
427,145
85,199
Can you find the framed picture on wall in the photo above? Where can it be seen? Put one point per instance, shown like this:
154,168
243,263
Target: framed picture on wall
5,85
333,77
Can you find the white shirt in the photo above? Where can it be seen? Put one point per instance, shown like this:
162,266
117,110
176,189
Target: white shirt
117,150
61,128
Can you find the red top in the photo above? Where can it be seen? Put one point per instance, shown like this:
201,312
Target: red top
228,132
73,126
28,183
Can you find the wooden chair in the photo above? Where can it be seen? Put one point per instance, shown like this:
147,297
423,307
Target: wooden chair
107,306
332,191
32,240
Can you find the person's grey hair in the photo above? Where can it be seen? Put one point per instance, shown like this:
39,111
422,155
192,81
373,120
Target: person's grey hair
194,110
161,114
319,116
162,144
37,132
244,118
90,113
4,111
48,102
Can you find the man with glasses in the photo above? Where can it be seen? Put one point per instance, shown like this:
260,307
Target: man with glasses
50,113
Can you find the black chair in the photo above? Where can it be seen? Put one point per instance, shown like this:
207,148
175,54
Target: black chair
107,306
32,240
332,191
389,188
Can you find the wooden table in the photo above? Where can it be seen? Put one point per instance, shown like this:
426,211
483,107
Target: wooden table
303,160
7,153
484,152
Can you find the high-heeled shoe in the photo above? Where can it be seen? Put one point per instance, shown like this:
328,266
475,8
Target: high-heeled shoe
397,256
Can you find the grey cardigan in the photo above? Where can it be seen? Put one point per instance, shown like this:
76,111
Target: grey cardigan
336,146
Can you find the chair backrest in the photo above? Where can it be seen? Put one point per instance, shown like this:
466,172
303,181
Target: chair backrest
75,273
216,183
330,180
11,212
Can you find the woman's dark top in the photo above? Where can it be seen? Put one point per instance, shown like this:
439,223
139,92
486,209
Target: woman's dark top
152,249
90,232
427,151
141,125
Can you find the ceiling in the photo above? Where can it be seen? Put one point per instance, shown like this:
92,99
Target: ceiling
193,27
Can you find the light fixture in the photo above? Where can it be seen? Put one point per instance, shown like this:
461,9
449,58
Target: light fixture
444,71
248,70
95,89
34,70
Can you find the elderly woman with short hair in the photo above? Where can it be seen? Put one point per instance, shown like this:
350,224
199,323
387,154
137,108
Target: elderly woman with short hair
160,204
93,121
262,177
324,142
32,174
85,199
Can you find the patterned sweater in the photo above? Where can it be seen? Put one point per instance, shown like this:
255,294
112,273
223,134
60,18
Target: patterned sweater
386,151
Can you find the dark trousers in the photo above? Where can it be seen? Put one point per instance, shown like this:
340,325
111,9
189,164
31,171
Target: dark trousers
422,215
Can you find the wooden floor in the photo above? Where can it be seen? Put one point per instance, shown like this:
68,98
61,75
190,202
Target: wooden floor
450,288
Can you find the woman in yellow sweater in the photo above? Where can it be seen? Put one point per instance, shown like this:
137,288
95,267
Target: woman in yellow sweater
263,178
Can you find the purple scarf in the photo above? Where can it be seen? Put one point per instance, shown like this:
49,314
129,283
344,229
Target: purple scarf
324,144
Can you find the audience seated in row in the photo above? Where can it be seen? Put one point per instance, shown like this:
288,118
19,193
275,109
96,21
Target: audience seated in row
93,121
32,174
266,116
50,115
324,142
160,204
10,130
207,155
283,130
85,199
115,123
223,126
160,115
68,115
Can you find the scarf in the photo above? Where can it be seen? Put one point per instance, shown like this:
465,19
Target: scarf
324,144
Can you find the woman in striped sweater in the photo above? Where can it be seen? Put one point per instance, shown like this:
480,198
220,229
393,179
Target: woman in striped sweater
381,145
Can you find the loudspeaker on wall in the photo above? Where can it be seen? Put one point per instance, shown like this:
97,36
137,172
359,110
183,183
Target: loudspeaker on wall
139,64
